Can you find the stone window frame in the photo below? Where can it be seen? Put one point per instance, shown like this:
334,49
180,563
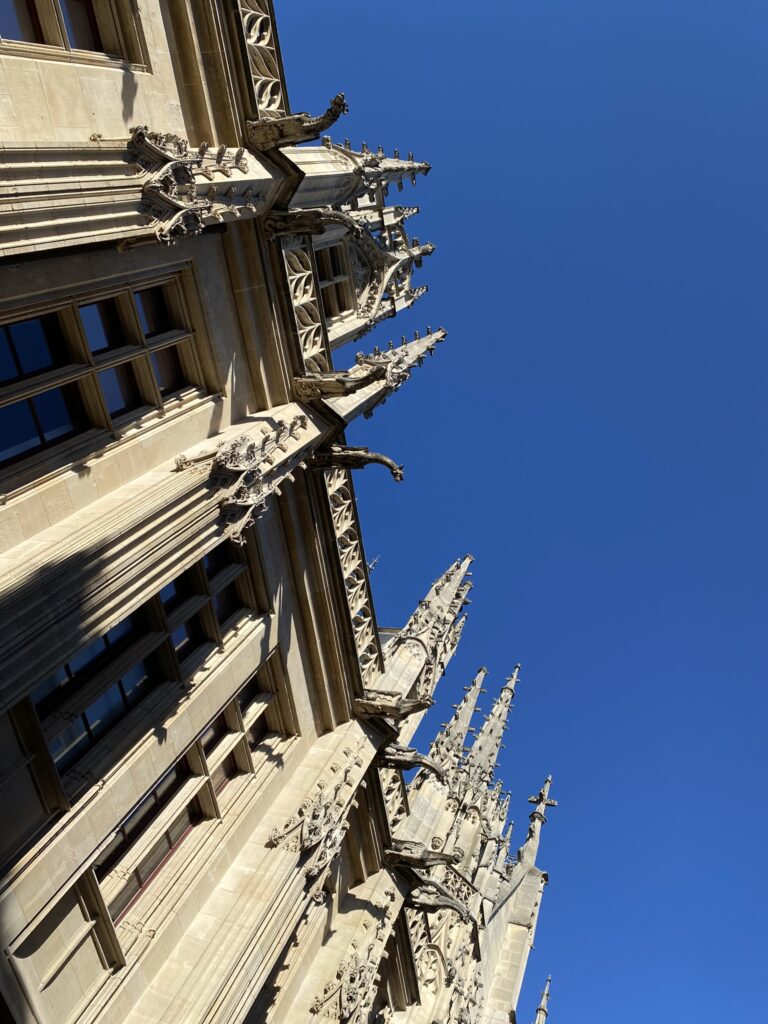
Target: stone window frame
97,926
153,638
37,763
118,24
201,762
335,288
191,341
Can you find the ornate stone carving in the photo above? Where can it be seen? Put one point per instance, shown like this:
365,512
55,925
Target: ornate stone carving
349,997
413,854
294,222
306,304
170,196
320,814
395,755
291,129
339,455
353,568
381,705
431,894
248,472
259,38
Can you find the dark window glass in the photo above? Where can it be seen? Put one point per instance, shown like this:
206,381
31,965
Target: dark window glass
120,631
213,734
169,595
154,315
136,681
19,21
167,367
80,22
69,744
9,369
217,559
105,711
58,412
102,326
38,344
46,694
187,637
226,770
121,392
86,656
18,431
226,602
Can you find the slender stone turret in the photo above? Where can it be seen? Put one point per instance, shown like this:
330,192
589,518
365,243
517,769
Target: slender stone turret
448,746
529,849
542,1011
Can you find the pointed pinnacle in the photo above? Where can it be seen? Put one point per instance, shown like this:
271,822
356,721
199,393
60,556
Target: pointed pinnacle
542,1010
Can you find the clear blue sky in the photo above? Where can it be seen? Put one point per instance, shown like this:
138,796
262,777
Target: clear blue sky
594,432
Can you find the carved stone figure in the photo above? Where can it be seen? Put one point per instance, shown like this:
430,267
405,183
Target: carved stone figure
356,458
292,129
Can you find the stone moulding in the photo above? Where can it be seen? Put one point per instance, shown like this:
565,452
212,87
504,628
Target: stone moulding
354,572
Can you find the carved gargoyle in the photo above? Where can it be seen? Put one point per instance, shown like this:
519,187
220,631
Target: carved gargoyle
432,902
380,705
294,128
294,222
416,855
339,455
395,755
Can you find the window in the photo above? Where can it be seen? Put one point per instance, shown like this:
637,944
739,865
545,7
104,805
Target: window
145,847
98,364
164,640
88,26
335,283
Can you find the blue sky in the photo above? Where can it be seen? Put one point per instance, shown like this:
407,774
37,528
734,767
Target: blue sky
594,432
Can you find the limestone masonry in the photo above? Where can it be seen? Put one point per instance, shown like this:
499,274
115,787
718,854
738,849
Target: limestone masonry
205,735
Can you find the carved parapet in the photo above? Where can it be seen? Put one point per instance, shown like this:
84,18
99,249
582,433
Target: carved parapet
291,129
342,456
354,573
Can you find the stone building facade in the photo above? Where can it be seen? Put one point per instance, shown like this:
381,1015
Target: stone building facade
209,809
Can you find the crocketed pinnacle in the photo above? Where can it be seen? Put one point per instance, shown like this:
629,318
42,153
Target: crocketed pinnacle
392,366
448,746
481,760
542,1010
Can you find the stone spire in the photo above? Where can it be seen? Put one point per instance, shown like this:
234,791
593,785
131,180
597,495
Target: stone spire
542,1011
481,759
417,655
373,379
529,849
448,746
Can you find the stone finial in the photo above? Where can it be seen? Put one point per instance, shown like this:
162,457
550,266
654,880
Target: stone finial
530,847
542,1010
